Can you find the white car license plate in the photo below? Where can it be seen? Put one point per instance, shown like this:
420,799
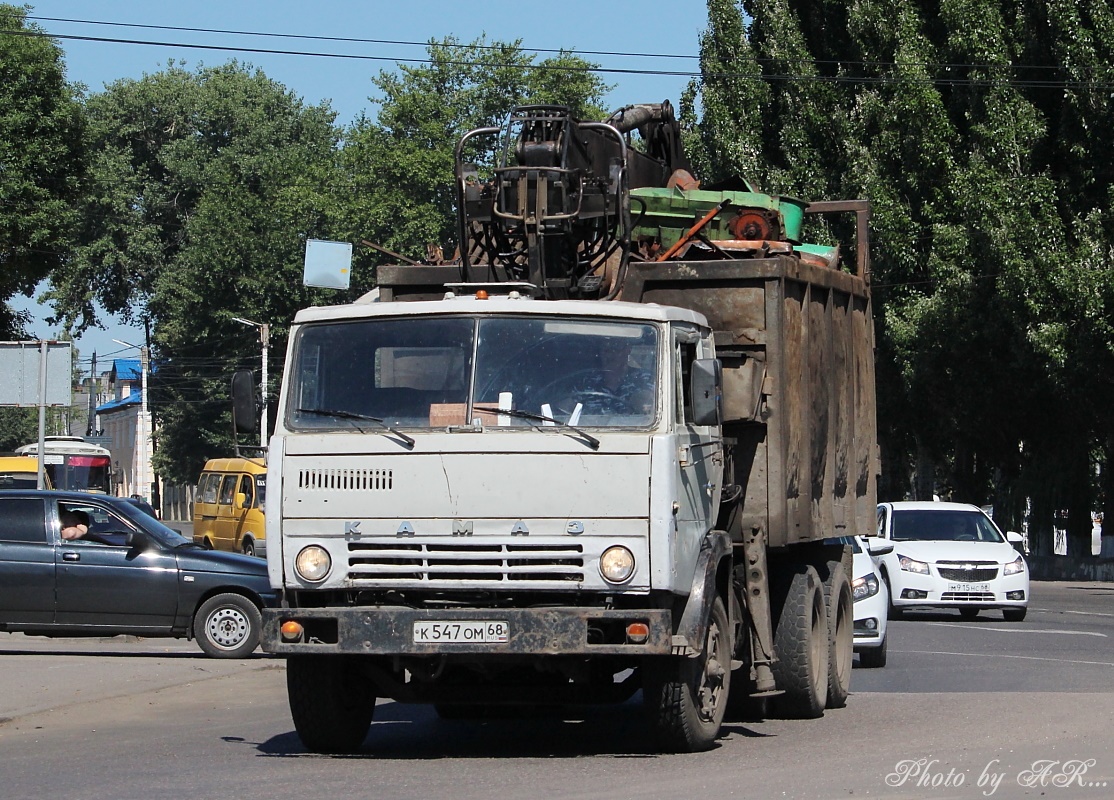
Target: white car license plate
481,632
968,587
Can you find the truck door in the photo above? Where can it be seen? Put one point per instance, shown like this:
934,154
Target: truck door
699,447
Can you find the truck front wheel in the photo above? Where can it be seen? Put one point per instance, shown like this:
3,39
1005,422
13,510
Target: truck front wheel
330,702
686,698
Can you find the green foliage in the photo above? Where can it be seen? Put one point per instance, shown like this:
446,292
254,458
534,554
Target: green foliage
979,130
18,426
41,159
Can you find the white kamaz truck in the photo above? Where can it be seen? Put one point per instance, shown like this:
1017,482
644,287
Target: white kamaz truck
610,448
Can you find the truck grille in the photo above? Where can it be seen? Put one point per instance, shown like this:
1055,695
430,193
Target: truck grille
975,574
356,480
477,563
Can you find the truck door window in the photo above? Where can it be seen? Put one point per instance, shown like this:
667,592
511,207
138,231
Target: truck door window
686,354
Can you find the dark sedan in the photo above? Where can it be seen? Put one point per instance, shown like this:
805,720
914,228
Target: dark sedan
124,573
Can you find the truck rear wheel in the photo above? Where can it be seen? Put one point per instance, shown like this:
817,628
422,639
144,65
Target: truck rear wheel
801,645
686,698
841,634
331,704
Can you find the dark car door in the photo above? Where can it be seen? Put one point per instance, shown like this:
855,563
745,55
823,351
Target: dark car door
26,562
107,584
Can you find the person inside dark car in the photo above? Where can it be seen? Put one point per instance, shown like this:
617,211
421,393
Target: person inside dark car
75,524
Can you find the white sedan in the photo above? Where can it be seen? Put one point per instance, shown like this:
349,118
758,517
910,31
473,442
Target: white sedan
871,603
949,555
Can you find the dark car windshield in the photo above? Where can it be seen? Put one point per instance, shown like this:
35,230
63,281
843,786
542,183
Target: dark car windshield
943,526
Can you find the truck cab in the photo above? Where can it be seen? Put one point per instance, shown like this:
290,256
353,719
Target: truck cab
461,445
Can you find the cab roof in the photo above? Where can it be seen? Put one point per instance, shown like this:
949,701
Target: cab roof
503,304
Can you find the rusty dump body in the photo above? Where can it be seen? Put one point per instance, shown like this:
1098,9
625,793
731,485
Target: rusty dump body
796,342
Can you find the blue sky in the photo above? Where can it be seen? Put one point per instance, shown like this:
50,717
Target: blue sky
651,29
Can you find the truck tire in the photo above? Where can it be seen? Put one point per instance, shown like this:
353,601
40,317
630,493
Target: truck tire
330,703
686,698
227,626
801,645
841,634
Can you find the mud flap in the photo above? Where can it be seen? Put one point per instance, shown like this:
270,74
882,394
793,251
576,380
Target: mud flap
692,628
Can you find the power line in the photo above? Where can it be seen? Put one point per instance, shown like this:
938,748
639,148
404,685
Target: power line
354,40
705,76
570,51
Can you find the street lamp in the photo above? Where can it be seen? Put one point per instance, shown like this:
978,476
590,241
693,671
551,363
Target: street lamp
265,340
145,420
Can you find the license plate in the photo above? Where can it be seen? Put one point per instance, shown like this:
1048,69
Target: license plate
968,587
479,632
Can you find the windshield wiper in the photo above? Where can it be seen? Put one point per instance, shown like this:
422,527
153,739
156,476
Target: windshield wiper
592,441
329,412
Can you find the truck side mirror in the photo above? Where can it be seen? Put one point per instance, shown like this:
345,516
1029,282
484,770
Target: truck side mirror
244,410
707,391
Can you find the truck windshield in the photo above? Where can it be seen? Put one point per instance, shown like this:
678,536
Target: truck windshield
436,372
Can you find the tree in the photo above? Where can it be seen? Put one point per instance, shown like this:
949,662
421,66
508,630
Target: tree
401,163
204,186
977,131
41,160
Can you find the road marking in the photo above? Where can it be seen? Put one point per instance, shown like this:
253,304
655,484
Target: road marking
1084,613
1000,655
1017,630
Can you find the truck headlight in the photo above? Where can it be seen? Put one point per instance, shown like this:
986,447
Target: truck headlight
1014,567
912,565
313,563
616,564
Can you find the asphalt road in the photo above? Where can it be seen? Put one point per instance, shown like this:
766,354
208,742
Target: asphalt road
964,709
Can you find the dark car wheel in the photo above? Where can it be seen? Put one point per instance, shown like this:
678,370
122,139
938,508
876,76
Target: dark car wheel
227,626
249,547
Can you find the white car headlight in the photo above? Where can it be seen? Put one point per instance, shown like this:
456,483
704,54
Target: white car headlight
313,563
1014,567
912,565
864,587
616,564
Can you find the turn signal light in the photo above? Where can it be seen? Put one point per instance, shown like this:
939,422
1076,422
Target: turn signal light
638,632
292,631
481,294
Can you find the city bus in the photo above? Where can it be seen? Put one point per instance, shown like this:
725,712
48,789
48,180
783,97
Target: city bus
74,464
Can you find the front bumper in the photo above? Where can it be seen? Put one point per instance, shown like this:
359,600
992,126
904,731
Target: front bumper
912,590
390,630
